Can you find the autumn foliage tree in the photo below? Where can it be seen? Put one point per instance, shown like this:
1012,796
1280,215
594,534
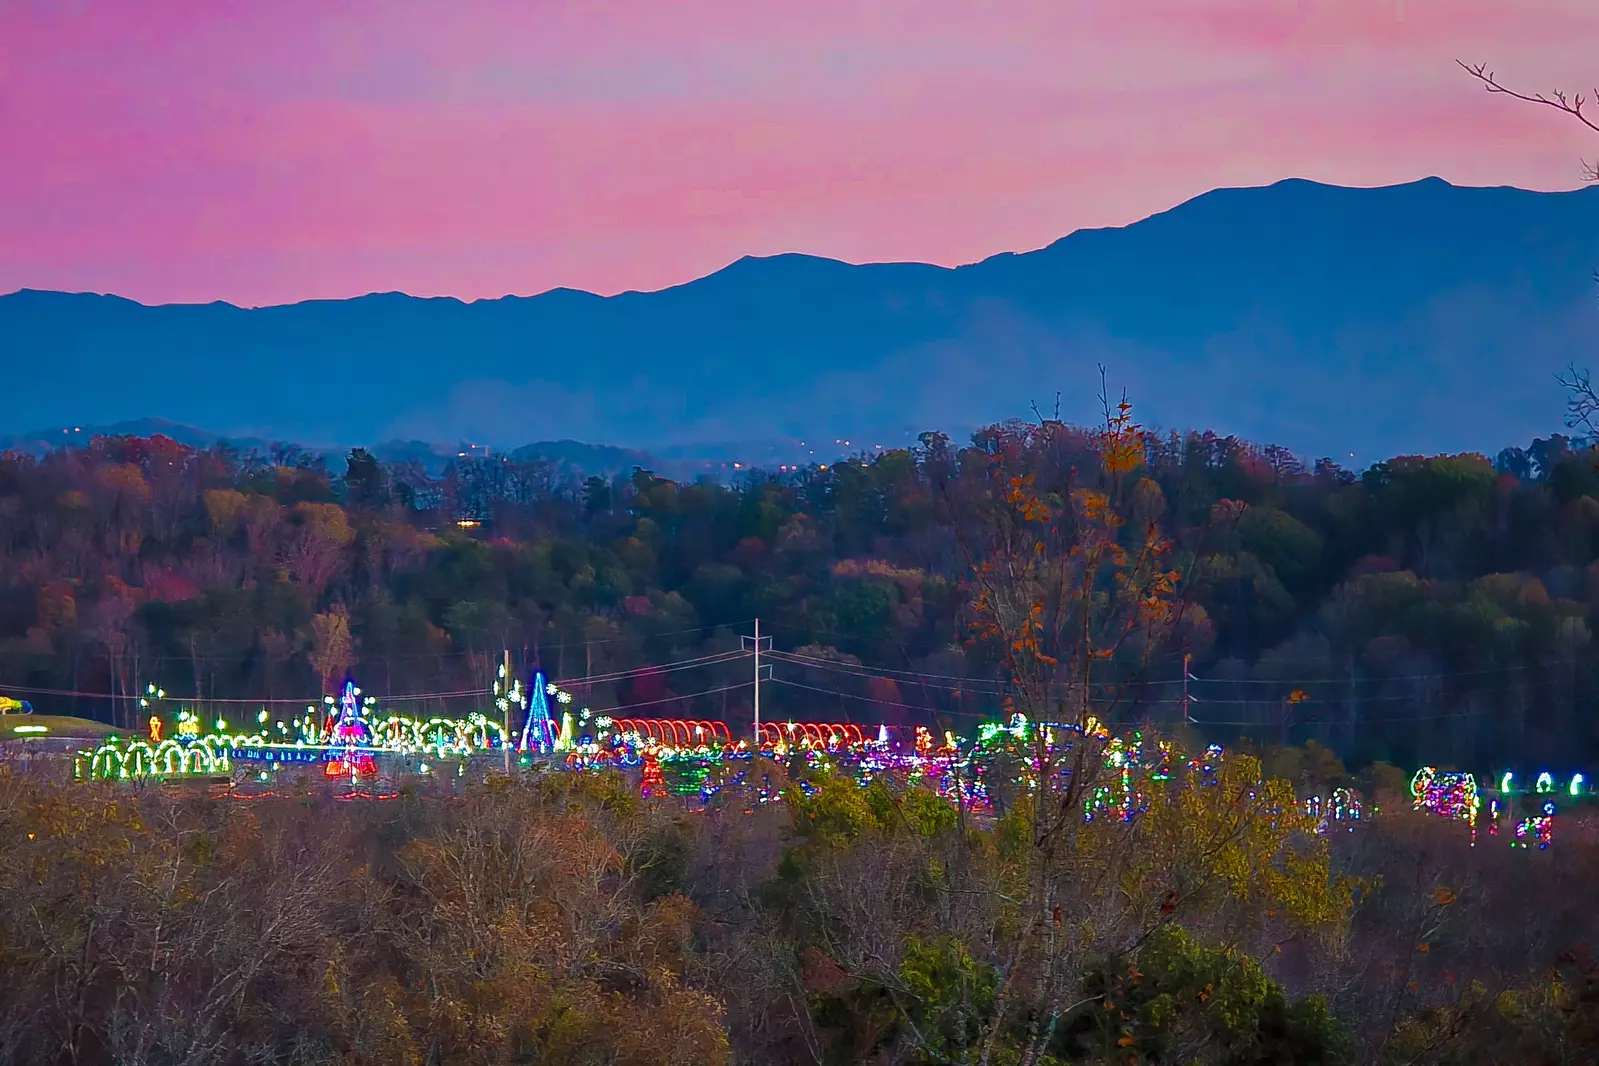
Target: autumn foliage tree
510,924
1074,598
986,955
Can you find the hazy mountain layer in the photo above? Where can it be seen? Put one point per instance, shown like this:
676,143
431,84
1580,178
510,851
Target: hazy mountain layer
1421,317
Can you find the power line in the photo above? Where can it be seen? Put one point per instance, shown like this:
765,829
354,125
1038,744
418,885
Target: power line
673,699
880,702
844,667
1136,700
1440,676
976,686
1340,701
682,664
646,636
1365,720
859,669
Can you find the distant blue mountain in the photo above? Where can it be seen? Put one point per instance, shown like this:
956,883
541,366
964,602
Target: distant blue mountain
1413,318
569,457
41,441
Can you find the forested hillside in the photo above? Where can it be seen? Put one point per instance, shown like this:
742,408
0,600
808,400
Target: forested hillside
1427,609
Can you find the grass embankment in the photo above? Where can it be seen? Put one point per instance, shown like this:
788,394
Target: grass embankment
14,726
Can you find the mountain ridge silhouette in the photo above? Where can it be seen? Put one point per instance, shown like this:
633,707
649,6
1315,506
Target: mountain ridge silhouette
1420,317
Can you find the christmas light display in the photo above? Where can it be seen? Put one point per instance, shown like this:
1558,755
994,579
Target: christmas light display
779,739
652,783
1539,829
926,761
675,732
1346,805
1162,771
1205,766
349,737
538,729
1122,795
1448,794
1545,783
1342,808
345,736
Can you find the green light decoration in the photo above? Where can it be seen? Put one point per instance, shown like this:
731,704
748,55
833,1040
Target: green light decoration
321,735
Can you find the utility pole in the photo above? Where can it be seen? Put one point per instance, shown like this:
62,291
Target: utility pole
505,741
756,750
754,644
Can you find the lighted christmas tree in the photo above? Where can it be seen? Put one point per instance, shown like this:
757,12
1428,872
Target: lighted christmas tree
352,732
538,732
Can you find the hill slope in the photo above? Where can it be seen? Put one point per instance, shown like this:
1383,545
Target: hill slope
1420,317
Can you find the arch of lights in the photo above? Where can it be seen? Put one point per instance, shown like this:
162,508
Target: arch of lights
1524,813
1528,813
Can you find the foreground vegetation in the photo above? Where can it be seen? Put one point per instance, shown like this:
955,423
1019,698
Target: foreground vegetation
563,920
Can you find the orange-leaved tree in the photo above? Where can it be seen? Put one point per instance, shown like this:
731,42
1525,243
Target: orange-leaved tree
1074,598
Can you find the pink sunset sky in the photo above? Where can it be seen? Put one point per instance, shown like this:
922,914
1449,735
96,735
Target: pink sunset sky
281,150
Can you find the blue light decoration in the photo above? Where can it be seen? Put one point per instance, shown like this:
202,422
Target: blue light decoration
351,728
538,731
276,755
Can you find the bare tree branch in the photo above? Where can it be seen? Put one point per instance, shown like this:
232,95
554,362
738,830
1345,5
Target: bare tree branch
1570,104
1582,403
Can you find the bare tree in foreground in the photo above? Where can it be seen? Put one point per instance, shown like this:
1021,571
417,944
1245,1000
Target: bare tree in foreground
1573,104
1582,405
